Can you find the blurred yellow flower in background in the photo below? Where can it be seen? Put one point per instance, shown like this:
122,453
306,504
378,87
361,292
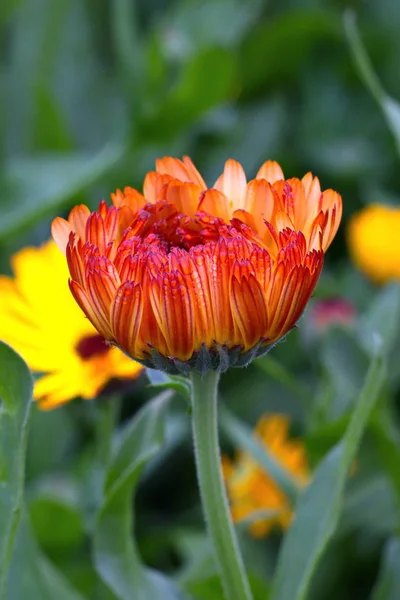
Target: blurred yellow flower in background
372,236
40,320
252,490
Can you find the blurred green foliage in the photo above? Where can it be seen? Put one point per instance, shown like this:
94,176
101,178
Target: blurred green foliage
91,92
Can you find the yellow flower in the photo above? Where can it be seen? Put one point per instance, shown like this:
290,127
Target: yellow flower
42,322
250,488
372,239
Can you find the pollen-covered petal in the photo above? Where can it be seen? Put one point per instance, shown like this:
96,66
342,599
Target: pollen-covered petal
232,183
249,309
270,171
126,315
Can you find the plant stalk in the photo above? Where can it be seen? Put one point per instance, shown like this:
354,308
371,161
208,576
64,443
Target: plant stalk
212,489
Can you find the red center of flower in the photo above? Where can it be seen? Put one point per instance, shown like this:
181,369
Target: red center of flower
175,229
92,345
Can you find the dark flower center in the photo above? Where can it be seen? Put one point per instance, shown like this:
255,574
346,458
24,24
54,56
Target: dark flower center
92,345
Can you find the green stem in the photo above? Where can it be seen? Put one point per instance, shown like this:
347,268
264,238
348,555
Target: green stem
212,489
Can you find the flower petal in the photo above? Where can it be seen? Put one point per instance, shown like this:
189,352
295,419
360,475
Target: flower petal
270,171
126,315
232,183
249,309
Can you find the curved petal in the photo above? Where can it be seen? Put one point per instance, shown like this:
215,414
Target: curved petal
232,183
154,186
270,171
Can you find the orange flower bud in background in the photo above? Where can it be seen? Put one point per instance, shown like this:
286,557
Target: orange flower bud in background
372,239
184,277
250,488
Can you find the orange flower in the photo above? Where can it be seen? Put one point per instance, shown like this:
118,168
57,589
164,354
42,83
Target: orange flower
252,491
183,276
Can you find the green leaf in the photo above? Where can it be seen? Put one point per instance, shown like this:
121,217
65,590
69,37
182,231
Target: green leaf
276,48
198,26
116,557
388,584
379,326
32,575
346,364
15,402
55,516
387,439
364,500
162,381
388,105
51,130
36,187
277,371
318,509
243,437
187,100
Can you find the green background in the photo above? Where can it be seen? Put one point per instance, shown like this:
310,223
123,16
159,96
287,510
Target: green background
92,91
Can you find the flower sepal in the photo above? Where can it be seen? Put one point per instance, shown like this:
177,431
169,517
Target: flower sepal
217,358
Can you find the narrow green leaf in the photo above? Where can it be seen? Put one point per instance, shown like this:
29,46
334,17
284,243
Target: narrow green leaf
257,515
387,439
388,584
388,105
380,325
242,436
277,371
318,509
15,403
346,364
128,47
32,575
117,559
35,187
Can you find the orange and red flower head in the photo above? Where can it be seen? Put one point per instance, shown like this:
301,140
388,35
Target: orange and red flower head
184,277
